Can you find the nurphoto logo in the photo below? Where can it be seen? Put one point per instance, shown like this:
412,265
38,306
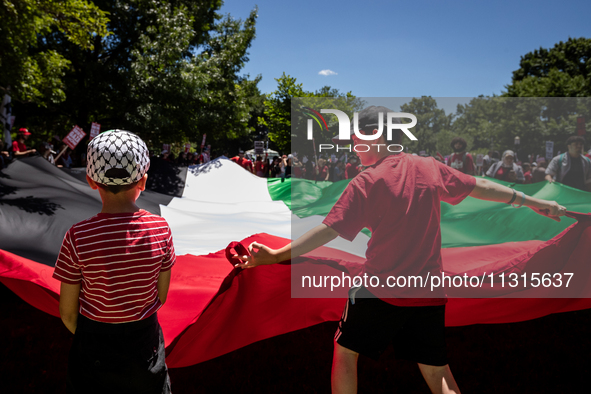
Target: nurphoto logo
392,123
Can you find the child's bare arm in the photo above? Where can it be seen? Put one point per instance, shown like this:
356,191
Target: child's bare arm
163,285
318,236
69,305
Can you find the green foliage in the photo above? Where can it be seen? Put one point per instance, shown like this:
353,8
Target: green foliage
167,70
277,113
284,105
562,71
34,74
431,121
494,122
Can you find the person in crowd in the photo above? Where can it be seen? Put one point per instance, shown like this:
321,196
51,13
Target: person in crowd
275,167
242,161
338,173
539,170
297,167
403,214
182,159
166,156
461,160
352,167
309,169
118,343
46,152
527,173
322,173
65,160
282,165
489,159
506,169
4,155
19,149
287,163
207,154
259,167
571,168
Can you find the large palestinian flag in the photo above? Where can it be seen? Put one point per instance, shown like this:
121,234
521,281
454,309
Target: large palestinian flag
210,302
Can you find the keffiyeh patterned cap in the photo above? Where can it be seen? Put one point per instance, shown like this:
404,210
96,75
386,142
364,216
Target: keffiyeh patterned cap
117,149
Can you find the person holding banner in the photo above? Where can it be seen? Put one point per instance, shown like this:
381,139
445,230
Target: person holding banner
19,149
398,198
461,160
571,168
242,162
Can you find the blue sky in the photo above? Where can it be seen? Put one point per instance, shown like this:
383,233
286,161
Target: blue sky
404,49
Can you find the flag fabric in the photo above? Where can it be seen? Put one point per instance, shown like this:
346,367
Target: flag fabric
213,308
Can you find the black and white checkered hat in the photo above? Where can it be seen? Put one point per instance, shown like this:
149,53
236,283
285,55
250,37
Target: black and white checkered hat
117,149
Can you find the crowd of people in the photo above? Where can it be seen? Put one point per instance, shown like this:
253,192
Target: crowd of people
286,166
54,151
572,168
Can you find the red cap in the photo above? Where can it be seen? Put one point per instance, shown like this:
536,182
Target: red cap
24,131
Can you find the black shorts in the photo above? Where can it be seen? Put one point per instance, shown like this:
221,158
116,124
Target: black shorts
118,358
416,332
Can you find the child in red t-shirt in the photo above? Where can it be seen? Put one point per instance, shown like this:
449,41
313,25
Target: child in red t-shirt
115,271
398,198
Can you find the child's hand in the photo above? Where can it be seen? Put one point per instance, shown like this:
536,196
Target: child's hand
262,256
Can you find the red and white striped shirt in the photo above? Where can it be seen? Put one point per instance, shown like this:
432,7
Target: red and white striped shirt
117,258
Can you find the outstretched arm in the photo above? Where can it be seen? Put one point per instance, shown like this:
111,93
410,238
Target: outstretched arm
491,191
263,255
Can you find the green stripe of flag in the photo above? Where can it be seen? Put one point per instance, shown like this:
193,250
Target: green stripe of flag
473,222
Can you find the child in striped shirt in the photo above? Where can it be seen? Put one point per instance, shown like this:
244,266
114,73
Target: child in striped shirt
115,271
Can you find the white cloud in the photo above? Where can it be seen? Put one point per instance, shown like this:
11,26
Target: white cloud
327,72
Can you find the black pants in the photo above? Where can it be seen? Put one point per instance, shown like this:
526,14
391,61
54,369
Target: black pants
118,358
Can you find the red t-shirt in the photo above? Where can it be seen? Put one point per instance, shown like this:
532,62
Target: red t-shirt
18,146
322,172
398,200
457,161
246,164
528,177
117,259
351,171
503,173
259,166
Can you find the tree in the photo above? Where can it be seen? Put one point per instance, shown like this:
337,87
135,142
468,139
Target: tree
430,121
35,74
169,71
494,122
285,105
562,71
277,114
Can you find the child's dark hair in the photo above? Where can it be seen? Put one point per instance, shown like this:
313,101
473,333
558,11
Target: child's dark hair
575,138
117,173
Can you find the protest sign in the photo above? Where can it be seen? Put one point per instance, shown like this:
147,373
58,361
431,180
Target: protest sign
74,137
549,150
95,129
259,147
